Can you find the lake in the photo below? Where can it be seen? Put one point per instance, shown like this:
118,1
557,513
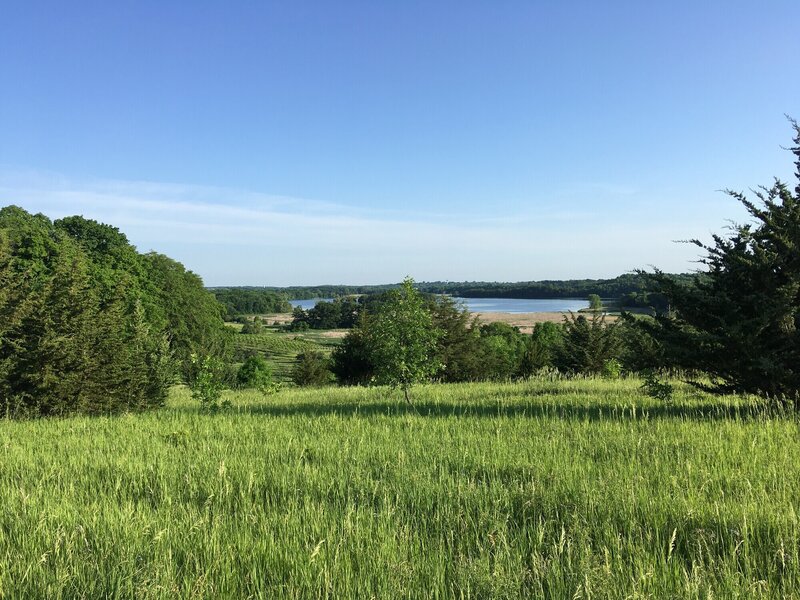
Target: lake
509,305
307,304
523,305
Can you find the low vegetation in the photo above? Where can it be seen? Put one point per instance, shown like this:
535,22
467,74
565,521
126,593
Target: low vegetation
544,489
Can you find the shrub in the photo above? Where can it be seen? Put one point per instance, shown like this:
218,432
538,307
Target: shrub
586,344
612,369
206,385
311,369
655,388
256,373
253,326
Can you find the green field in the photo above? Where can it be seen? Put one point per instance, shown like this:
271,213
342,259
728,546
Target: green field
553,489
280,349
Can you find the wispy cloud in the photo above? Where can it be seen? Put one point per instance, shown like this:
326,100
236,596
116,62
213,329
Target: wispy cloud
239,237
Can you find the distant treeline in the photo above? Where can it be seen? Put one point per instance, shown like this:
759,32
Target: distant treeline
630,284
629,290
89,325
251,301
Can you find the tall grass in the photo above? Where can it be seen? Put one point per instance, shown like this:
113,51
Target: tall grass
553,489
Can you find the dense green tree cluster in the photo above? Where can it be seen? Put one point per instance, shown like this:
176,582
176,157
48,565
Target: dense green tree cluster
255,372
463,350
250,301
252,326
339,313
89,325
586,345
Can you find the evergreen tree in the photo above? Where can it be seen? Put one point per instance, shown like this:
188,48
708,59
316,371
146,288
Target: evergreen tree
739,321
66,352
458,347
586,345
86,323
352,361
311,369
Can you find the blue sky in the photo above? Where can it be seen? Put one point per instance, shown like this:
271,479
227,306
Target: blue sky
357,142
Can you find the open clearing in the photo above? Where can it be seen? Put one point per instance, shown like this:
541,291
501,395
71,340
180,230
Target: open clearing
526,321
555,489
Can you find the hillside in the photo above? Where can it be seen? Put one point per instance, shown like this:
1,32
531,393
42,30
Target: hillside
555,489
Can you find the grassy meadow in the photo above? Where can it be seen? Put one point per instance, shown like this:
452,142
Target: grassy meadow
542,489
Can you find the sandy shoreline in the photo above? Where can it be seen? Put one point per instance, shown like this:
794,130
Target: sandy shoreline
526,321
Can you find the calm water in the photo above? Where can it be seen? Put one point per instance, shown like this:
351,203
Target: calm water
509,305
306,304
515,305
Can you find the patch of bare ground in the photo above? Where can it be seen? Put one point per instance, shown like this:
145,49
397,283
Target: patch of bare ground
526,321
280,318
334,333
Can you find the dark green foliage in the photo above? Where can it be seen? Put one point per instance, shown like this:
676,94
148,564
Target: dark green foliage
255,373
502,350
464,349
739,323
657,388
458,348
110,254
186,311
639,351
250,301
324,315
84,327
351,361
311,369
586,345
253,326
340,313
655,302
540,348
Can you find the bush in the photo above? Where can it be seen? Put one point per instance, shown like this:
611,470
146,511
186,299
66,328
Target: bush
612,369
586,345
253,326
655,388
351,361
540,348
311,369
206,385
256,373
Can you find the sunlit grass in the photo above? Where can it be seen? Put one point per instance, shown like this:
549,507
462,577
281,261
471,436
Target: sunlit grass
554,489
